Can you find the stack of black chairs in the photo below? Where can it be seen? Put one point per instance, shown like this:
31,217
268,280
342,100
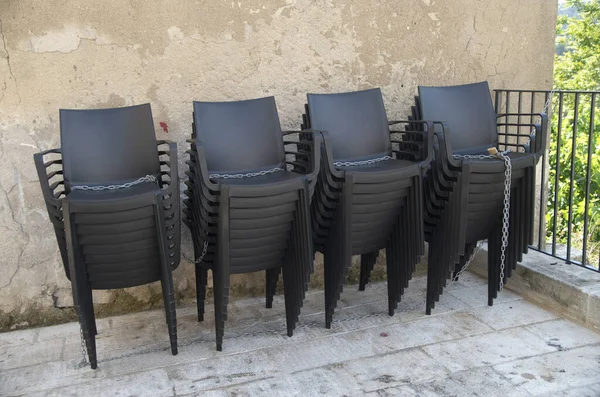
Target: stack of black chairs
263,199
368,194
112,194
249,190
464,194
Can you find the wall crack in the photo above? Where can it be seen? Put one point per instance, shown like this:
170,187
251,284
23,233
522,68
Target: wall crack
8,63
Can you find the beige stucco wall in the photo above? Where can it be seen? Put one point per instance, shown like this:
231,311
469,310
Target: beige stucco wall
82,54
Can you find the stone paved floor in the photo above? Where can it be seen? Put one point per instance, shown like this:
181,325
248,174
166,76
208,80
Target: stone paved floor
464,349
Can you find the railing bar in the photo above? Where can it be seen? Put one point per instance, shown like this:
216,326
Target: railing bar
557,172
519,109
541,232
497,103
587,178
507,111
573,151
543,159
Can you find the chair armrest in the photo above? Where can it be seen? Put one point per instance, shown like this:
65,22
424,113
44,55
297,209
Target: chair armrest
427,137
168,177
197,157
51,196
311,151
444,142
537,137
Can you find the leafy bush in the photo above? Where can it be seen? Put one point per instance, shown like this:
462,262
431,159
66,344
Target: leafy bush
577,68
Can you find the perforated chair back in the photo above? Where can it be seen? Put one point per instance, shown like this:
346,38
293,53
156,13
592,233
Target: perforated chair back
239,136
108,146
467,110
356,123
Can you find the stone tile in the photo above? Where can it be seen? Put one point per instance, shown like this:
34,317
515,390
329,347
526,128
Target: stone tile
469,279
476,296
45,376
488,349
399,391
321,351
26,336
391,370
546,374
317,382
153,383
511,314
585,391
564,334
480,382
68,330
24,355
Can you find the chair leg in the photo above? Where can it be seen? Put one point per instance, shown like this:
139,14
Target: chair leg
201,278
85,314
170,313
271,276
221,292
367,263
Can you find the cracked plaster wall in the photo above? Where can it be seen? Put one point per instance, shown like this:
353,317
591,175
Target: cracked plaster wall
86,54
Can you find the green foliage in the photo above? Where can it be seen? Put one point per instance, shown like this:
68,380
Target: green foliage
577,68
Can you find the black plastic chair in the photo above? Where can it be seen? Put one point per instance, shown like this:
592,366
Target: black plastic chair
112,195
369,193
464,194
247,205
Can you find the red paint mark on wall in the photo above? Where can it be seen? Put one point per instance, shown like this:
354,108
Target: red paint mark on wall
164,126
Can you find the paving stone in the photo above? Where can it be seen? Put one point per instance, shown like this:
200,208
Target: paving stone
153,383
564,334
365,352
585,391
45,376
480,382
390,370
488,349
399,391
542,375
476,296
23,355
26,336
511,314
317,382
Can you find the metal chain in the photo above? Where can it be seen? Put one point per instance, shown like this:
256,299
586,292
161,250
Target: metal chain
361,162
144,179
84,361
199,260
468,262
506,208
246,175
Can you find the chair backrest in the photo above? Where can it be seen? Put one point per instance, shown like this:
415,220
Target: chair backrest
467,110
356,123
108,146
239,136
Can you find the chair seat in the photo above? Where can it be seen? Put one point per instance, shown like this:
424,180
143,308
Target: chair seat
382,166
110,195
263,180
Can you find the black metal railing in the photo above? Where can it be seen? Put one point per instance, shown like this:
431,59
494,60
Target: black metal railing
568,189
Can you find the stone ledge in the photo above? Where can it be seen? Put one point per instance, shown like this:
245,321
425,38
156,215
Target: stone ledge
569,290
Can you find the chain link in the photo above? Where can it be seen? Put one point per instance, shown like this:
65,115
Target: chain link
199,260
246,175
505,210
468,262
84,361
361,162
144,179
